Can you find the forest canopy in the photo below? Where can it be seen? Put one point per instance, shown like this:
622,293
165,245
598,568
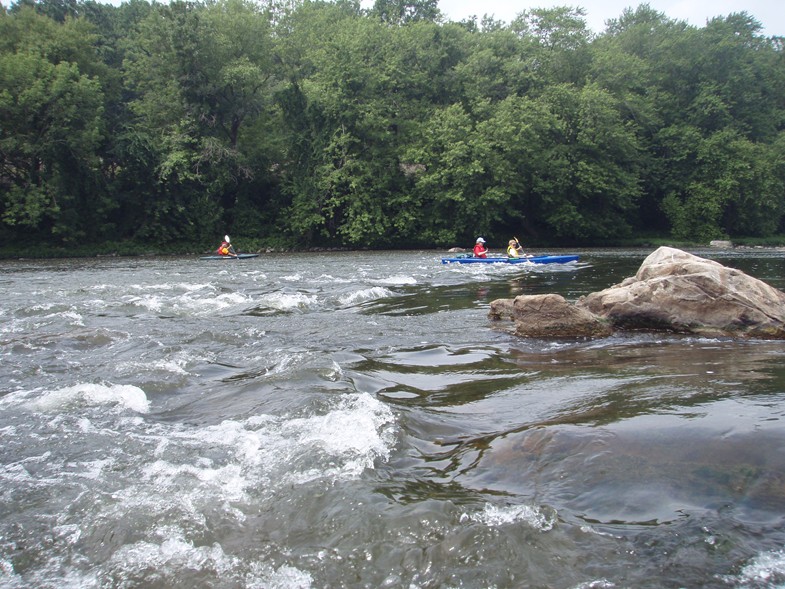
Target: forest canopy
324,124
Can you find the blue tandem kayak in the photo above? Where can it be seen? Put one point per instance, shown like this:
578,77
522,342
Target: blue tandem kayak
237,257
503,260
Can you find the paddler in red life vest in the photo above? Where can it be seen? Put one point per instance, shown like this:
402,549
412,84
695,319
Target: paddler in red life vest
480,251
226,248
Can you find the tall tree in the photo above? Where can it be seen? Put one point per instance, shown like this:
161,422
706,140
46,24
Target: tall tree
201,74
562,40
51,108
732,187
591,185
741,78
400,12
353,102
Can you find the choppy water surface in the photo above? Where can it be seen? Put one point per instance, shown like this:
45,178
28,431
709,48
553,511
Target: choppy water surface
355,420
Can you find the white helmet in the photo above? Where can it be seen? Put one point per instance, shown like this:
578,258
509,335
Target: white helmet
480,240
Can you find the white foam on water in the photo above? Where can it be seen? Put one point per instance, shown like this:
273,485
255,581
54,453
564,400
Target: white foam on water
68,533
493,516
168,286
8,577
327,278
101,287
56,312
399,280
12,327
590,530
80,395
174,365
184,298
227,461
42,307
173,554
94,469
285,361
227,481
236,462
765,570
254,332
52,574
188,304
284,577
289,301
368,294
335,373
98,305
357,431
72,318
222,301
598,584
149,302
172,480
15,474
277,361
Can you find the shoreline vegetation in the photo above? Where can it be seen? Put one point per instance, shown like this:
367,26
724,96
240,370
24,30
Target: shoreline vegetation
153,128
132,249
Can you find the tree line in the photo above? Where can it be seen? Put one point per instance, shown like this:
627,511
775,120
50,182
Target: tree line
309,123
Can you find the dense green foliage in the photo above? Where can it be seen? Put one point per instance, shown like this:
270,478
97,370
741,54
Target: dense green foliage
325,124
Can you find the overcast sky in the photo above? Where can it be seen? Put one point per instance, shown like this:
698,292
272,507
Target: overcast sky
770,13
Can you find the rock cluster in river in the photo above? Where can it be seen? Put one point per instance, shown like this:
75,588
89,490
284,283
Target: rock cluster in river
672,291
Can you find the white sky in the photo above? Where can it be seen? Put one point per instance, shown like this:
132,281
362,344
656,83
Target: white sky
770,13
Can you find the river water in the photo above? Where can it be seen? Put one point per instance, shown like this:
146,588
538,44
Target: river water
355,420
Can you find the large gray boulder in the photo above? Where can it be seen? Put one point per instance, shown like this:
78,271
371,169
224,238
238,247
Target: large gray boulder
680,292
672,291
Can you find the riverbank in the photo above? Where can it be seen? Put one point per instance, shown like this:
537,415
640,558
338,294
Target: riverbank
256,246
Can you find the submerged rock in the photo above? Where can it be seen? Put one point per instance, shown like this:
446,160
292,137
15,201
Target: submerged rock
672,291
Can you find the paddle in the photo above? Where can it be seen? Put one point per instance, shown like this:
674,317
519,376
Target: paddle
231,247
521,247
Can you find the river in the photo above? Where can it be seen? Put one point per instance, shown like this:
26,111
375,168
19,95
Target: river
355,420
